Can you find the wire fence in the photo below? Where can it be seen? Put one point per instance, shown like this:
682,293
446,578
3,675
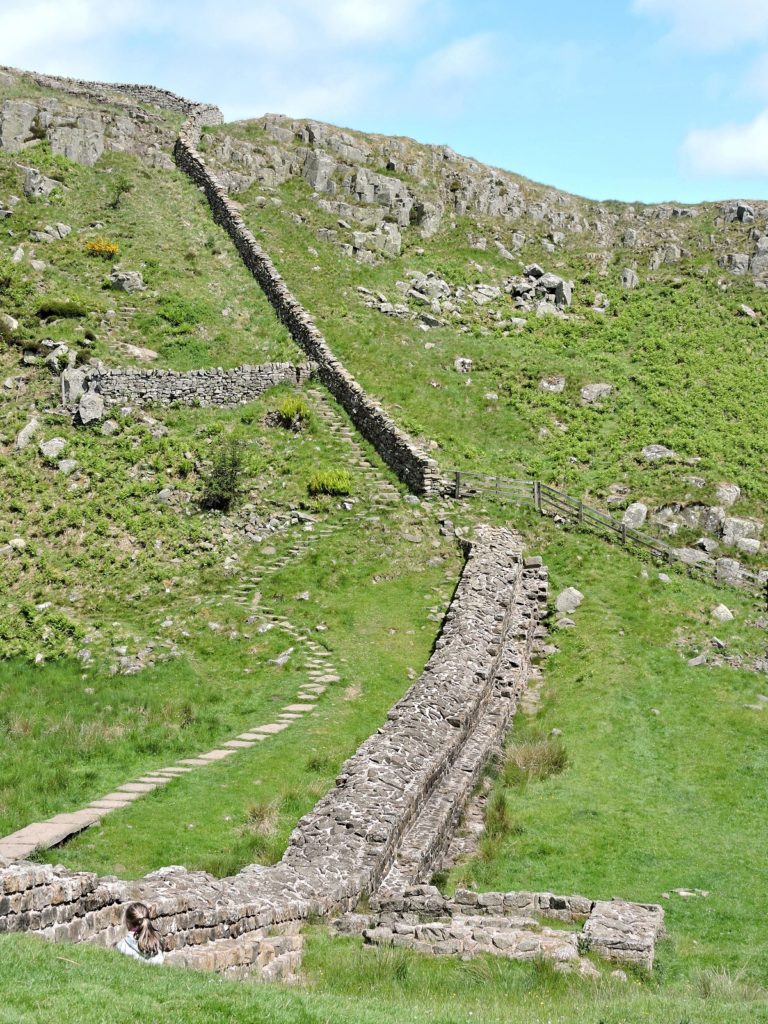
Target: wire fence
550,501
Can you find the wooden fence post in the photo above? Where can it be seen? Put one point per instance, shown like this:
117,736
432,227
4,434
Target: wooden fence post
623,533
581,511
457,485
537,494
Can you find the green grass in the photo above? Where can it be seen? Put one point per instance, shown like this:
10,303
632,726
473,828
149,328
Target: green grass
200,307
665,765
375,633
348,985
680,358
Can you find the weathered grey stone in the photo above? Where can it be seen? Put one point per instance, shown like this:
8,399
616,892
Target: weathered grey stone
657,452
721,613
90,408
8,323
36,184
736,263
555,384
736,529
728,494
127,280
629,278
72,386
26,434
53,448
635,515
569,600
595,392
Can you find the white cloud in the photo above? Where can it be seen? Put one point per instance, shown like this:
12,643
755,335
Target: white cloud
711,25
46,33
735,149
460,61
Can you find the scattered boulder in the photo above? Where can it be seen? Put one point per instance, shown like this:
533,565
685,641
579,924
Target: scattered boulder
568,600
36,184
53,448
728,570
721,613
635,515
736,529
51,233
144,355
747,311
109,427
555,383
90,409
26,434
630,279
657,453
595,392
462,364
72,386
728,494
127,281
8,324
67,466
736,263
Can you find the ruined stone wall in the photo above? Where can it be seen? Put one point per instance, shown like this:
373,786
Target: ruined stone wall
214,386
206,113
345,846
399,452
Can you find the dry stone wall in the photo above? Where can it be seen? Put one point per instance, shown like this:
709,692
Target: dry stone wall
399,452
209,387
345,847
103,92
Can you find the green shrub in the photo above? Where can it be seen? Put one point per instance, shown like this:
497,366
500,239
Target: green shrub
222,484
184,314
50,308
330,481
293,413
102,247
121,187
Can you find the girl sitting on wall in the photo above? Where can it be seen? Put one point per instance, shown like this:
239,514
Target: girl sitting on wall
143,939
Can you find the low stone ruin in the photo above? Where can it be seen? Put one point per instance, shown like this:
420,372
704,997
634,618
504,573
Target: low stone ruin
511,925
209,387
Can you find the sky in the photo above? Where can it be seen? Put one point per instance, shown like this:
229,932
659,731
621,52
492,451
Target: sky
647,100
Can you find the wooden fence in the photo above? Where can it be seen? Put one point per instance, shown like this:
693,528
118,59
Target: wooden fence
549,501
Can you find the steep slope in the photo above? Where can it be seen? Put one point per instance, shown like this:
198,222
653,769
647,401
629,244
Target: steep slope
519,329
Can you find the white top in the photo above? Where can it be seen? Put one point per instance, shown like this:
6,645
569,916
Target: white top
130,947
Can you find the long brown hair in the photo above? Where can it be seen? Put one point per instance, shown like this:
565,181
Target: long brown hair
138,920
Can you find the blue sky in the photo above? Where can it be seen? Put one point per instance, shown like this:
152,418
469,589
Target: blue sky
629,99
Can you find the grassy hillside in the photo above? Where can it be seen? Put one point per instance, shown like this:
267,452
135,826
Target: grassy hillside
678,352
130,635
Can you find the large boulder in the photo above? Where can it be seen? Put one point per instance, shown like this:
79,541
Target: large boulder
72,386
90,408
127,281
629,278
657,453
736,529
25,435
728,494
568,600
36,184
595,392
635,515
53,448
